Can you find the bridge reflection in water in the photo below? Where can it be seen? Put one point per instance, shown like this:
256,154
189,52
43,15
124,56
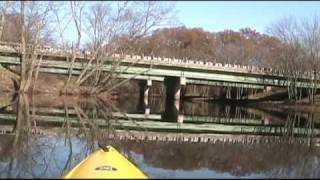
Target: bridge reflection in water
165,139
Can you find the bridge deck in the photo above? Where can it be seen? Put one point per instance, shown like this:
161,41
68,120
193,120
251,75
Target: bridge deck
198,72
147,125
161,71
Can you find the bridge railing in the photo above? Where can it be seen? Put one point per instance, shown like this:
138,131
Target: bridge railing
188,63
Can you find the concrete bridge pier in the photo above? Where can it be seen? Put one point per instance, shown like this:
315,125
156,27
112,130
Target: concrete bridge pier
144,95
267,88
180,118
173,96
173,87
173,93
146,106
147,88
144,89
171,112
147,111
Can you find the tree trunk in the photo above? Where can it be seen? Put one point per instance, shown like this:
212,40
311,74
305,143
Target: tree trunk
23,50
36,74
30,73
2,24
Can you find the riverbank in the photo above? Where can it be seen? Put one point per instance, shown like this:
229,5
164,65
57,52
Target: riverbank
53,85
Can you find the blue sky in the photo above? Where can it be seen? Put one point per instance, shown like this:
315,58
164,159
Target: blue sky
219,15
216,16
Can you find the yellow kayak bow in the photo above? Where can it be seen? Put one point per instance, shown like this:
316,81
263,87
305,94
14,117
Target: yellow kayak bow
105,163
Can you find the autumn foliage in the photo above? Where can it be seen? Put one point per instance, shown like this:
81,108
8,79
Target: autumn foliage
245,46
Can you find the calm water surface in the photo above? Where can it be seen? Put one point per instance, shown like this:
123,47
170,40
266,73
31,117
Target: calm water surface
44,138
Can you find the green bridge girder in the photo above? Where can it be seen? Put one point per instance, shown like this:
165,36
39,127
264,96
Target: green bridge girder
190,74
150,125
156,117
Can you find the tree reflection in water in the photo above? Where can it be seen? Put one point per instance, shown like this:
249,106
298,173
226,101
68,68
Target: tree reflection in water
33,149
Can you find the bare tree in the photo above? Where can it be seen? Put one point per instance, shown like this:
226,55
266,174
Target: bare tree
76,12
135,21
310,40
38,22
77,9
4,7
34,17
292,57
104,23
300,52
23,49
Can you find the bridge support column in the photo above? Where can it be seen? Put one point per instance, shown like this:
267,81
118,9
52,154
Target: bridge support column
147,88
146,97
183,83
173,95
144,94
267,88
180,118
173,87
144,89
147,111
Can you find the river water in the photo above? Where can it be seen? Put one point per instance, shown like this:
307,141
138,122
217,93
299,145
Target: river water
44,137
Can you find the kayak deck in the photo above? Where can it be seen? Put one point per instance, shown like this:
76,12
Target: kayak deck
105,164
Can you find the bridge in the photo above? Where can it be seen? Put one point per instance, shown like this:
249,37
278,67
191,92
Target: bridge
178,126
157,123
175,73
150,128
